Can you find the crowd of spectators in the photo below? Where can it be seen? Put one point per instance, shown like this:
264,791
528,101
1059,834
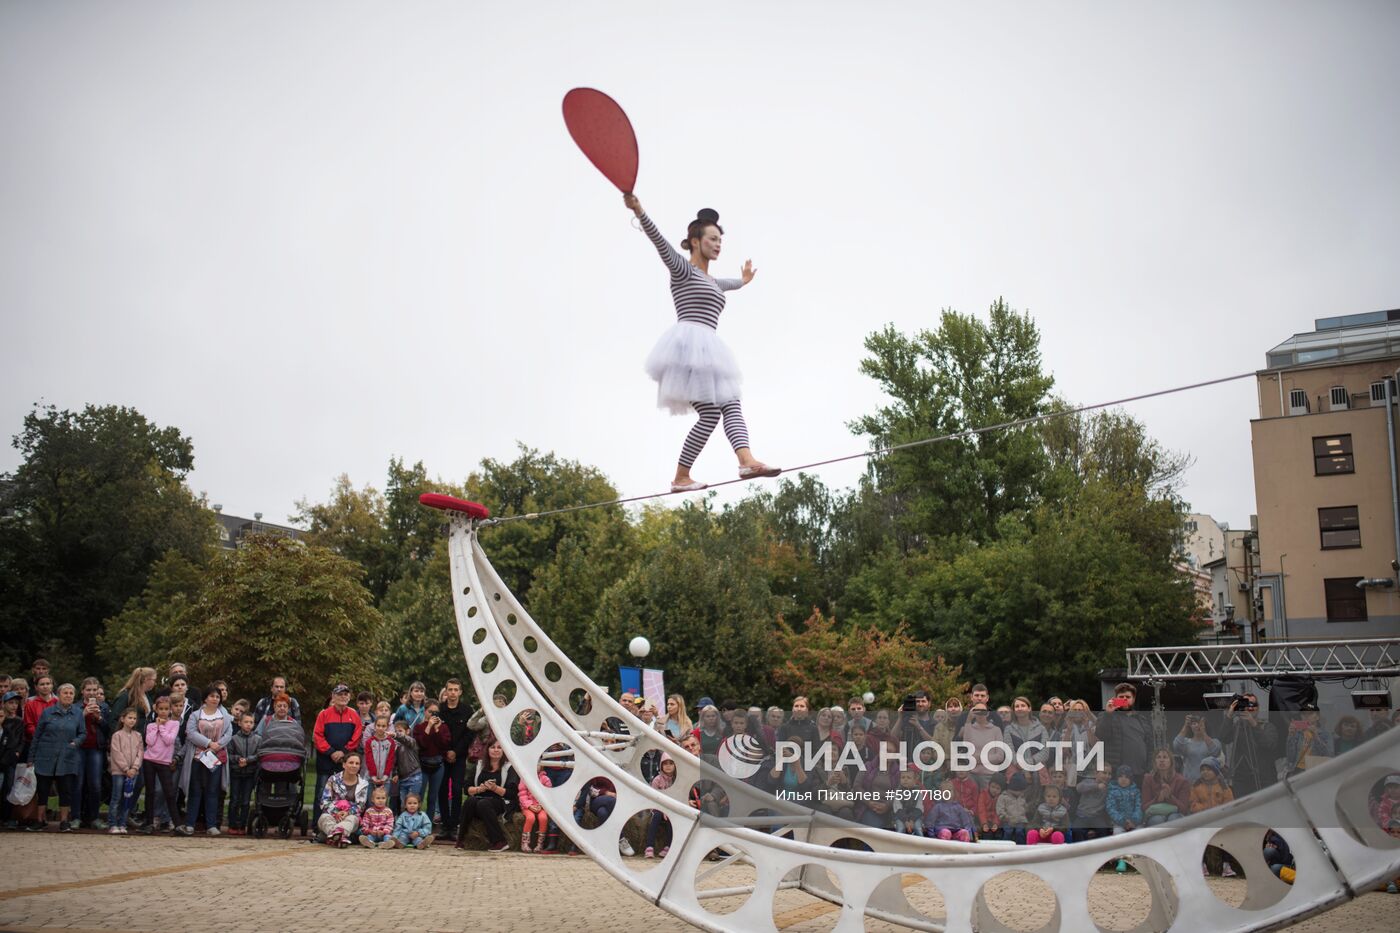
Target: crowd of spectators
402,774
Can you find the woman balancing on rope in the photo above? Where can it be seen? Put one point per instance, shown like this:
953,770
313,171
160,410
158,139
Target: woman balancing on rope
692,367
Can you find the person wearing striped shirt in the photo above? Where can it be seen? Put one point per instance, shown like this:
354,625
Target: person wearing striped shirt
691,365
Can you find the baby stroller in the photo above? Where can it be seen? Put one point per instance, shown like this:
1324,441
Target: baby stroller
277,796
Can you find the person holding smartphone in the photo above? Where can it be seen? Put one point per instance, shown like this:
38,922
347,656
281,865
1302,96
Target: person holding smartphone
491,795
434,742
1253,746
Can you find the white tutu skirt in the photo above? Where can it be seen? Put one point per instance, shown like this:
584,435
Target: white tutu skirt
691,364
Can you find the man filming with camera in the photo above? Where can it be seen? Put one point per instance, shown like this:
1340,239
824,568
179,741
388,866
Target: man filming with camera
1126,734
1253,745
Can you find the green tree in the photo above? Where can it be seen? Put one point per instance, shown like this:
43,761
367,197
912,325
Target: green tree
569,589
536,482
352,523
967,374
281,605
828,663
420,628
145,632
98,497
703,596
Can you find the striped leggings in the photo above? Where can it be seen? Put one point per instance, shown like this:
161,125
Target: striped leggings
710,414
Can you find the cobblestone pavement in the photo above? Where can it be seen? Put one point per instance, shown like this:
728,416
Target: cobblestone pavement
86,882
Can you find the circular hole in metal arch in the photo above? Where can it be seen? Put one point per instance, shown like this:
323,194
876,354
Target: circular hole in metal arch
466,590
1241,845
713,799
510,617
737,871
1019,900
525,727
636,829
497,597
552,672
471,611
504,693
815,877
478,636
488,663
594,803
913,894
1129,900
1357,799
530,644
557,764
580,701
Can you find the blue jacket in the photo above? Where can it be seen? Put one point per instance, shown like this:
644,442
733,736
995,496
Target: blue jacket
57,738
413,823
1124,804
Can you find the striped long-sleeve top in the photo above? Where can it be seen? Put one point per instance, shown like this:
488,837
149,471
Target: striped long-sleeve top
699,297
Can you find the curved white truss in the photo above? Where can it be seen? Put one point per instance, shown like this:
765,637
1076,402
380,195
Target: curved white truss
502,643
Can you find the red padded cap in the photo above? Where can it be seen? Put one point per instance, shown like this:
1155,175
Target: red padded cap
604,133
435,500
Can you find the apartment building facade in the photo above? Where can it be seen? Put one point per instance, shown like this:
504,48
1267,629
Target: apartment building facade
1325,467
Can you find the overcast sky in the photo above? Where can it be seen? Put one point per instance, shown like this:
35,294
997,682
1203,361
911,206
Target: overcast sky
317,235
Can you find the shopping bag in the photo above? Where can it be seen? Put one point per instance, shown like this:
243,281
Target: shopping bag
23,791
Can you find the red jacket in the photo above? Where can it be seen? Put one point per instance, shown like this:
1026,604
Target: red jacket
986,810
34,708
370,770
349,716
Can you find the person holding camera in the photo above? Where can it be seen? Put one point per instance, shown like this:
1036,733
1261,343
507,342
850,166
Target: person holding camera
1194,745
1126,734
1252,745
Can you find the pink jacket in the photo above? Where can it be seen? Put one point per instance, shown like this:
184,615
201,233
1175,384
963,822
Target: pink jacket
160,741
527,799
125,751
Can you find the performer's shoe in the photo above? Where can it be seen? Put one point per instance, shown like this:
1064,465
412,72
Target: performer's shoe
692,486
758,469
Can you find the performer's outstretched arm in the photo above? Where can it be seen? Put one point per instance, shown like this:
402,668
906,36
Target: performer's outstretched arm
677,263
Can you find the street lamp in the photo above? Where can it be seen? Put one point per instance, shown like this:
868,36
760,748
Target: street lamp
639,647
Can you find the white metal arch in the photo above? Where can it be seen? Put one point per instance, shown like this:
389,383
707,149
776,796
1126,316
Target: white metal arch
1322,813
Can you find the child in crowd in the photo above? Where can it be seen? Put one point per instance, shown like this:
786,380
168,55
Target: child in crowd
243,772
879,811
413,829
238,708
343,823
965,789
1051,817
951,820
124,762
909,815
1124,802
407,766
381,753
665,777
1210,789
1090,819
158,766
534,813
377,825
364,705
1012,811
988,823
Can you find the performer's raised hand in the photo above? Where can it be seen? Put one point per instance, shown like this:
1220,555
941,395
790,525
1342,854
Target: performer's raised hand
748,271
632,203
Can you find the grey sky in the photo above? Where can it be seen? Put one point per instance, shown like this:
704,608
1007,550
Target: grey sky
317,235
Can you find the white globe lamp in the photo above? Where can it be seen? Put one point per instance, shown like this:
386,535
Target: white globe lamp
868,697
639,647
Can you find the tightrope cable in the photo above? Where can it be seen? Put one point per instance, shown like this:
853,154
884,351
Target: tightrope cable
876,451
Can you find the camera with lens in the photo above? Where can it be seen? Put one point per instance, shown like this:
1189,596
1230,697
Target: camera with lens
1240,701
909,705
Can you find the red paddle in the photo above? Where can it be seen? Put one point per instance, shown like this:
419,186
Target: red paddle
604,133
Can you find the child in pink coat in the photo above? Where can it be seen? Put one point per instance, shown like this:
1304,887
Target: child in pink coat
535,817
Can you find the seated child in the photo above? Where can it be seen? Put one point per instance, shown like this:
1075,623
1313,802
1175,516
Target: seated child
413,829
665,777
1090,819
909,814
377,825
1123,804
951,820
1051,817
1011,810
534,813
988,823
343,823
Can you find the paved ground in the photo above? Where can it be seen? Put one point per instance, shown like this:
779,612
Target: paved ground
86,882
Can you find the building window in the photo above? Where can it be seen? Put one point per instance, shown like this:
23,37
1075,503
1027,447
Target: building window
1340,527
1345,603
1332,455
